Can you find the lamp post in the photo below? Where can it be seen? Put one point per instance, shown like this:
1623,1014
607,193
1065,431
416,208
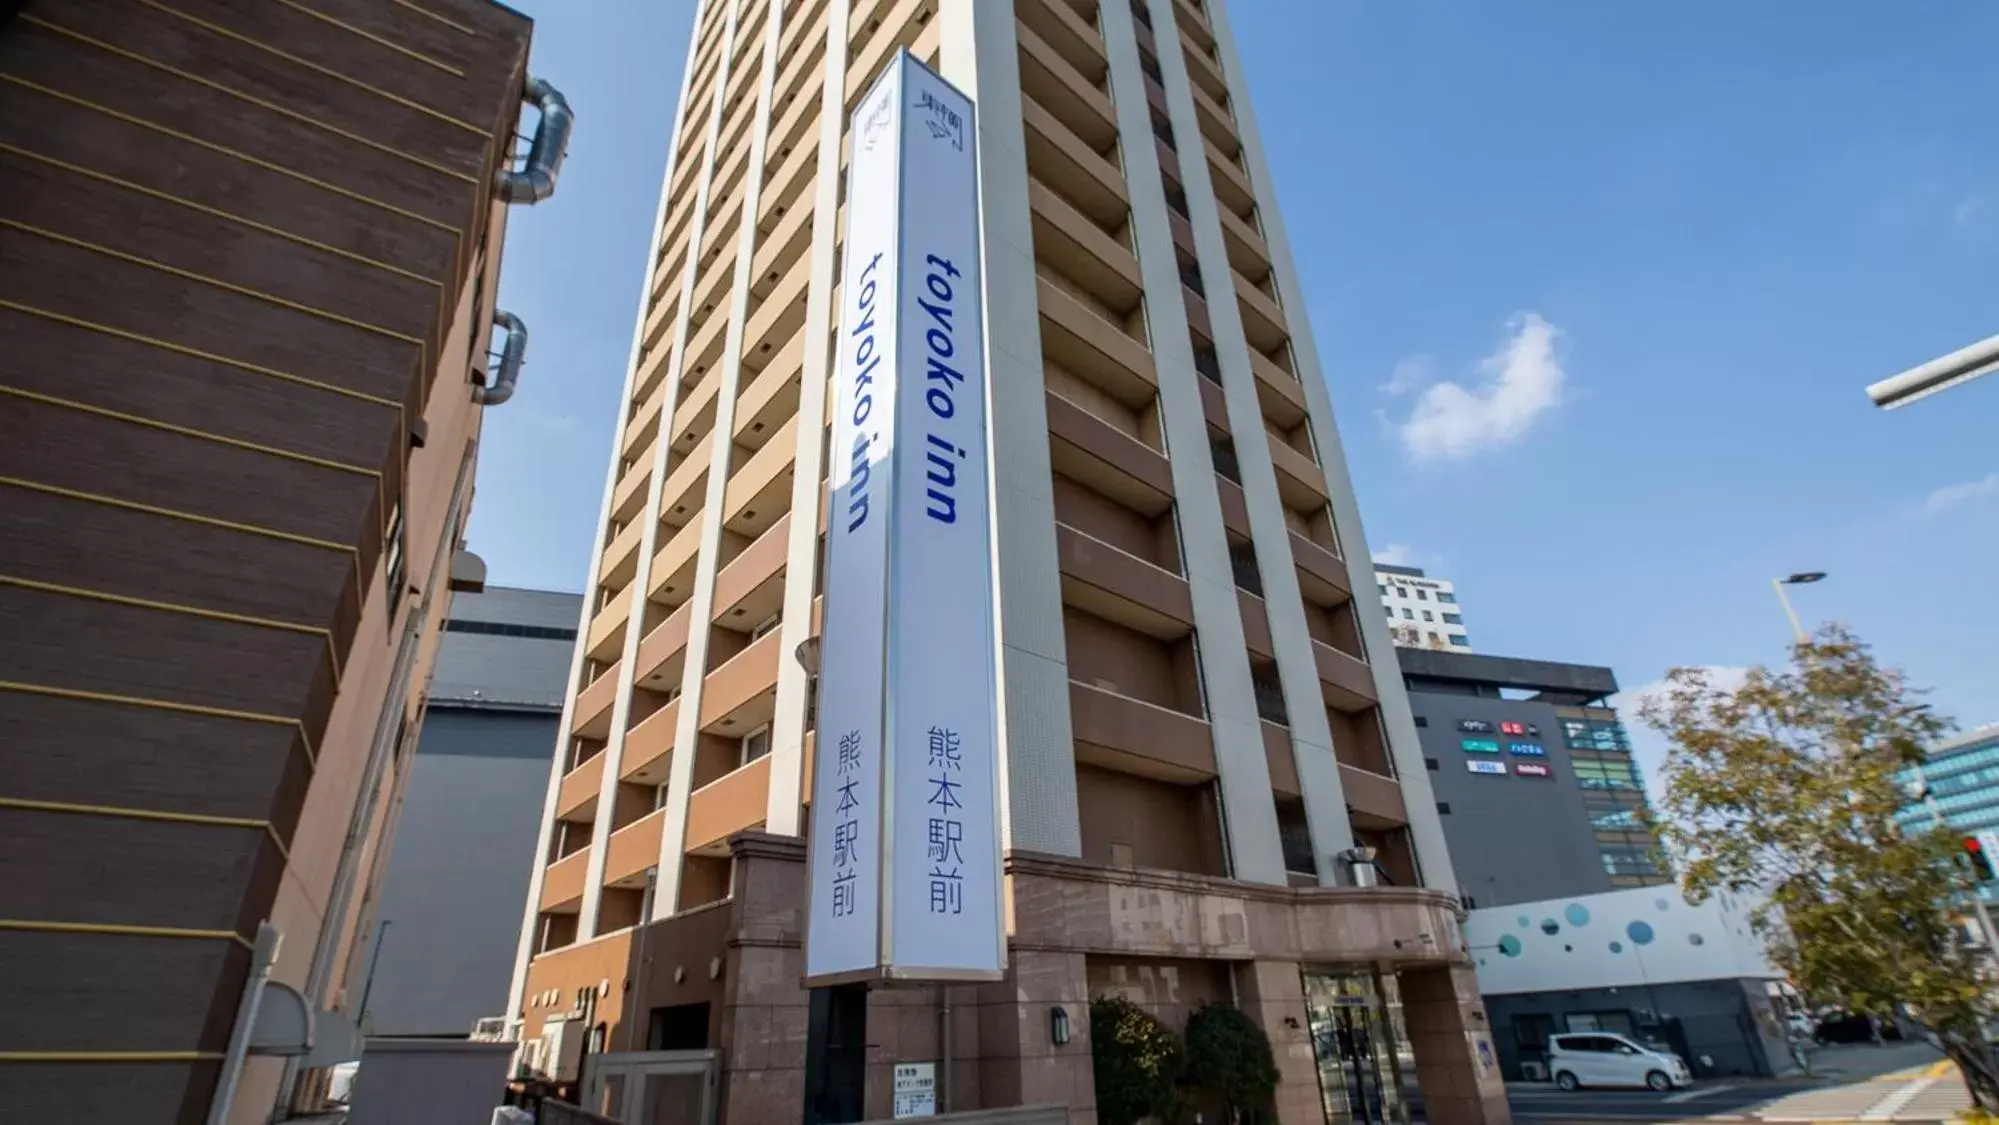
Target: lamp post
1802,578
1941,373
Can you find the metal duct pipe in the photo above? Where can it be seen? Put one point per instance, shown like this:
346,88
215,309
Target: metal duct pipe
512,355
536,181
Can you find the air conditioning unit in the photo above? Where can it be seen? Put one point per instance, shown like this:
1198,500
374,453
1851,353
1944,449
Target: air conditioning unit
1534,1071
561,1055
491,1029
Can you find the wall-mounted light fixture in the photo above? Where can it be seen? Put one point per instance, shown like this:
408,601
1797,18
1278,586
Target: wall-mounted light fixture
1058,1026
1291,1022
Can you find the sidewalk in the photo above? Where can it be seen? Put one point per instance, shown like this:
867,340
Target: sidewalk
1927,1093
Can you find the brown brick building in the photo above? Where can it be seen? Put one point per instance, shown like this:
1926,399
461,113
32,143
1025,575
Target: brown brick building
1199,727
248,256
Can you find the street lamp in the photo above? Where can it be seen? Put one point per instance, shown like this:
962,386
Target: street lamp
1802,578
1941,373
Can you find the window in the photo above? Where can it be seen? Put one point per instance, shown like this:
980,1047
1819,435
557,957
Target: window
765,627
1435,637
392,555
756,744
1447,597
659,796
1423,595
504,629
1407,615
1402,591
1428,616
1460,640
1592,774
1454,619
1383,589
1421,721
1443,808
1432,764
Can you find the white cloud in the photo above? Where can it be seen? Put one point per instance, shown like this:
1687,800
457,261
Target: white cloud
1398,554
1648,746
1965,492
1412,372
1513,386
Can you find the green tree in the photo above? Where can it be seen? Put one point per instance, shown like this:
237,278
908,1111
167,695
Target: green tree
1227,1053
1786,788
1136,1061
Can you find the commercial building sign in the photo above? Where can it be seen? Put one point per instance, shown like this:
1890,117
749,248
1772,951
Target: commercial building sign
1474,726
905,851
1479,765
1527,749
1528,729
1530,769
1478,745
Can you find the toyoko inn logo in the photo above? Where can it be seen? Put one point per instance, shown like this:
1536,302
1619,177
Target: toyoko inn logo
942,122
876,124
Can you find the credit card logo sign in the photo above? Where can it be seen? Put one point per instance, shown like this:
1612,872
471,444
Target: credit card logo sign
1476,766
1474,726
1529,769
1479,745
1526,749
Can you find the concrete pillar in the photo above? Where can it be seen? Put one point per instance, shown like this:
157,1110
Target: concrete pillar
1271,992
1456,1064
1020,1063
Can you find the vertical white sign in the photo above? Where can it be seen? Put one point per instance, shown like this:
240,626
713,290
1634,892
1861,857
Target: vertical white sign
905,850
846,859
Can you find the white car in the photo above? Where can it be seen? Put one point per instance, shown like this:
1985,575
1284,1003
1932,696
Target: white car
1602,1058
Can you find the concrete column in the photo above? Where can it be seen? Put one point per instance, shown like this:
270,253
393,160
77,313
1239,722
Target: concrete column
1271,992
977,52
1425,830
1297,668
524,950
1249,809
1456,1064
801,557
722,444
1020,1063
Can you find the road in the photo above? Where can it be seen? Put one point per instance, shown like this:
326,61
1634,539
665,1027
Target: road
1901,1083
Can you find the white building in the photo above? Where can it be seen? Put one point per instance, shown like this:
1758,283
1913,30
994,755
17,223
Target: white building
1423,612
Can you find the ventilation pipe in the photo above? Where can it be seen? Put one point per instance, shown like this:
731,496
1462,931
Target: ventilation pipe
512,355
536,181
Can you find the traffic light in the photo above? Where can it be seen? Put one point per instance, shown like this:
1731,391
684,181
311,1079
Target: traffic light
1981,863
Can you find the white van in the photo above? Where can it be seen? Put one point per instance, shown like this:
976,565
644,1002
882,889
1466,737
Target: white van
1601,1058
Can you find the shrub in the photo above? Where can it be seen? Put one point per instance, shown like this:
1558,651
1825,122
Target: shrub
1136,1060
1229,1055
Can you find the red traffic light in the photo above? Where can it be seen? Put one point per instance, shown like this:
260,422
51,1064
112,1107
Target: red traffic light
1981,863
1972,845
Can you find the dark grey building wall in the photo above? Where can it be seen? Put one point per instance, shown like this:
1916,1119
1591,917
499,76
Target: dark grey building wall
1512,838
456,883
1723,1028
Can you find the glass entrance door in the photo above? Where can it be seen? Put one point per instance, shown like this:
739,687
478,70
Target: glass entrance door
1354,1046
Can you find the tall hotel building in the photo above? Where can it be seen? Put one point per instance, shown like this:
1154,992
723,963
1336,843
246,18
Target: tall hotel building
1200,726
248,257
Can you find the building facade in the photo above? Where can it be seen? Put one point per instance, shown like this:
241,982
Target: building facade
1423,612
1533,777
1959,783
442,952
1196,719
248,254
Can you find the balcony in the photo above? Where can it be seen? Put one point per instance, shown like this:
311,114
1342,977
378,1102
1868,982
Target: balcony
728,805
776,321
779,251
759,492
632,849
1278,391
1300,483
1058,86
673,567
1081,251
1214,120
1193,24
661,651
1056,23
1132,736
771,399
1214,406
649,747
591,716
1230,183
1280,761
642,426
562,883
621,556
1322,575
1204,71
1347,682
1374,802
576,797
869,60
686,486
606,639
750,590
1088,449
741,694
629,496
1060,159
1255,624
694,418
1262,320
1074,336
1248,253
1121,587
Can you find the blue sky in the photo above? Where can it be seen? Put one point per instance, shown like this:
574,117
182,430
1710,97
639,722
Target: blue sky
1596,288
